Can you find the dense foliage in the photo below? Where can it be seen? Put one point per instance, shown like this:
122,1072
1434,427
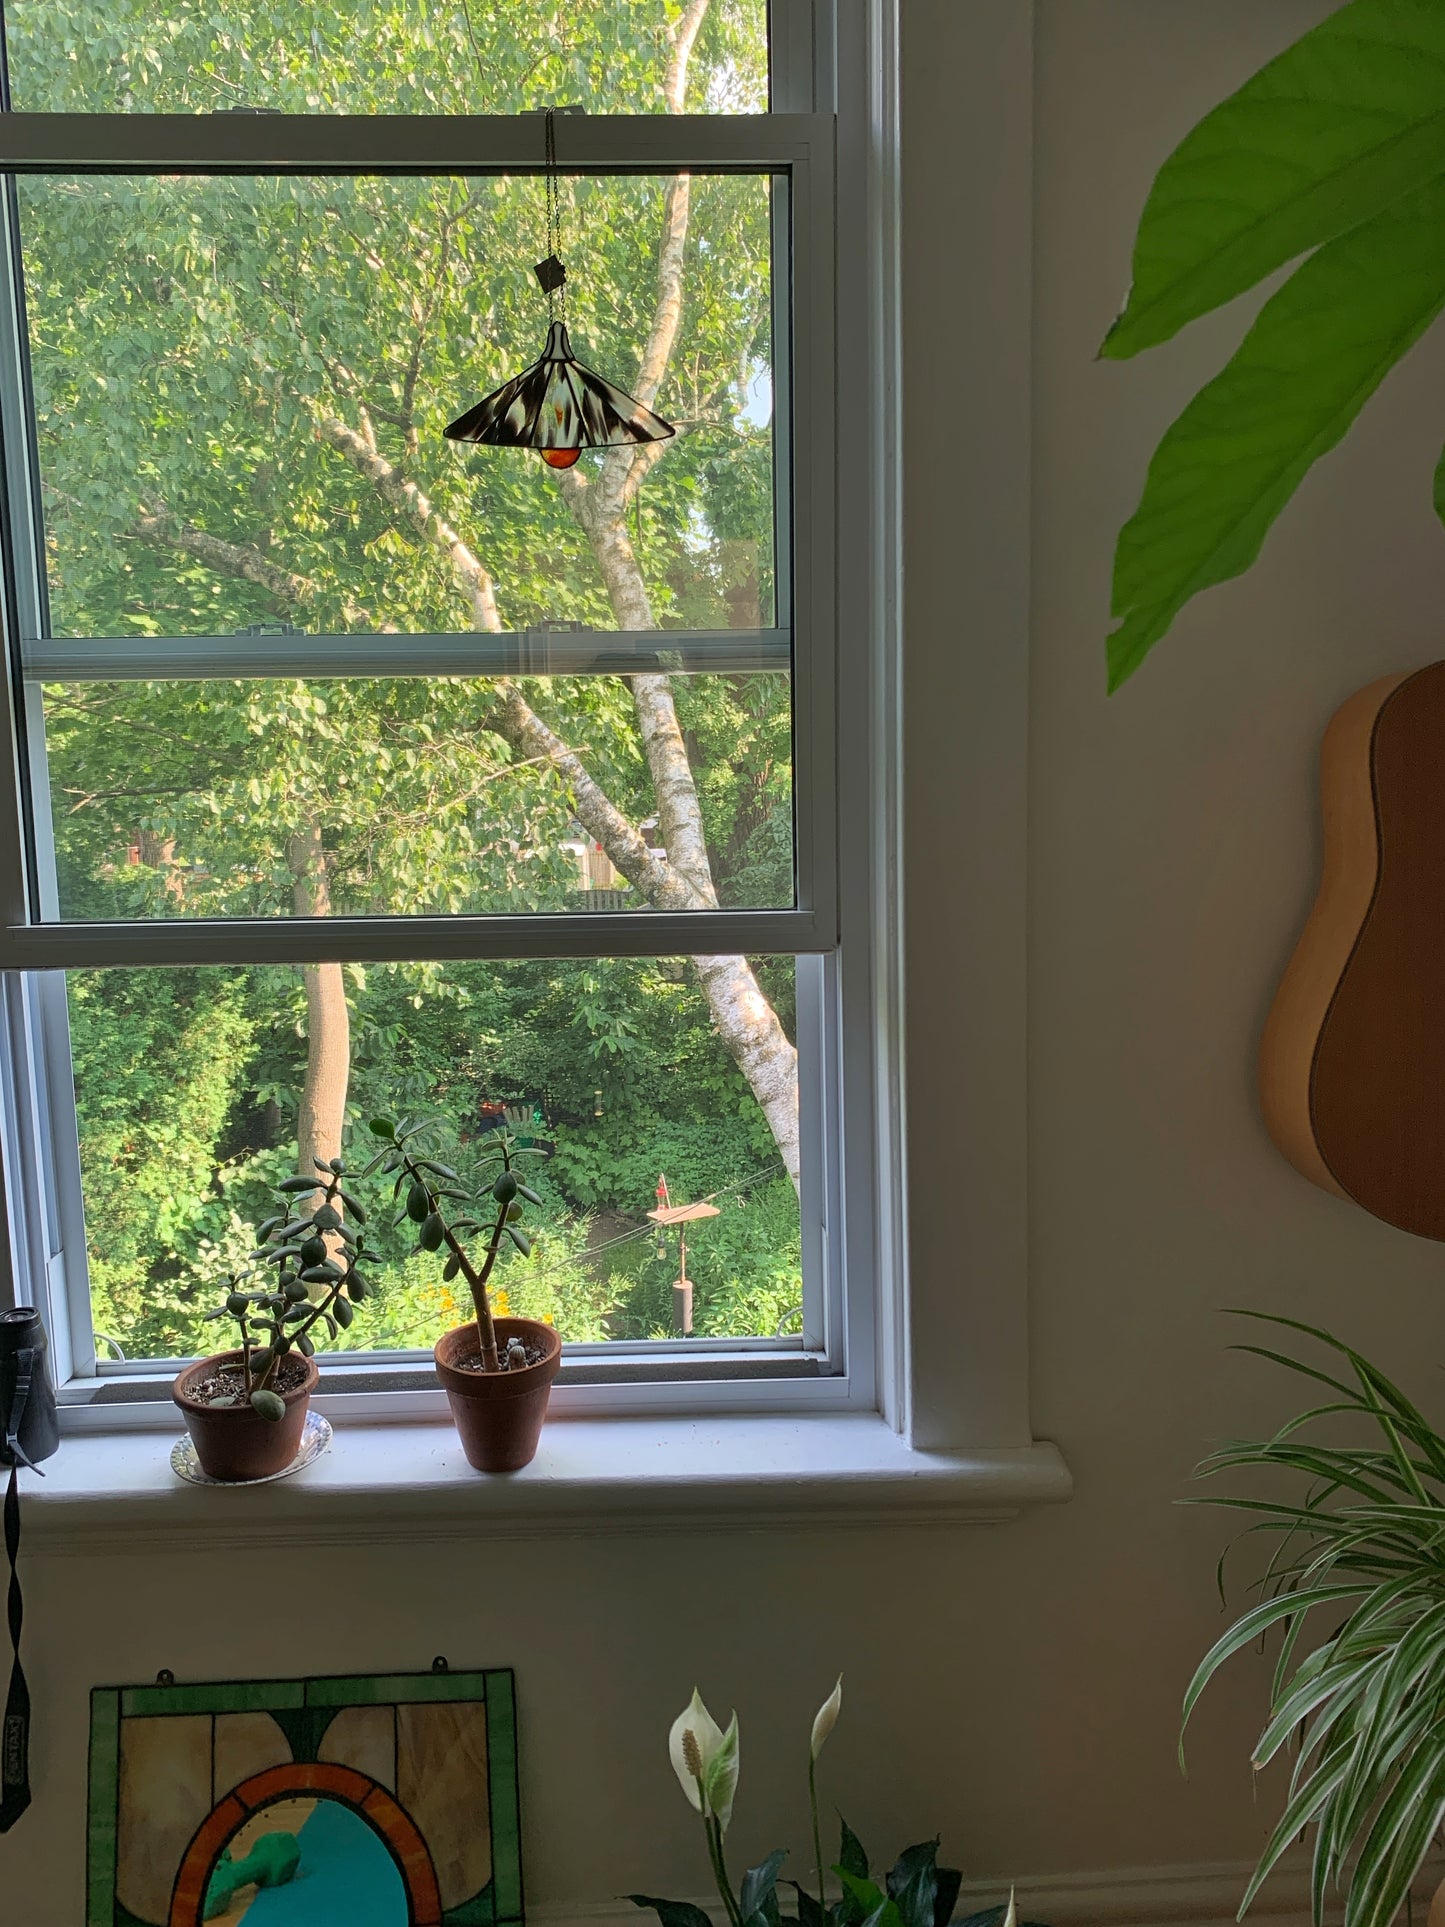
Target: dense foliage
187,1082
240,385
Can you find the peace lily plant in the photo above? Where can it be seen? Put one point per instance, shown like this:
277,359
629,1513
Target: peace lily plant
916,1892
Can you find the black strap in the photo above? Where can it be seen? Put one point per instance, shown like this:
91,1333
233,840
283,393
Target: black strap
15,1735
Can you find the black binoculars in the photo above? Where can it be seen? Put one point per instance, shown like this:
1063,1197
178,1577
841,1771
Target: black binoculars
29,1427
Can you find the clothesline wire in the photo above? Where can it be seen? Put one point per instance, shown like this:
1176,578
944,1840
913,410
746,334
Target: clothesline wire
627,1237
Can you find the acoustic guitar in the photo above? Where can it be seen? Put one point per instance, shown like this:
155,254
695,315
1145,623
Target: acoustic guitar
1352,1064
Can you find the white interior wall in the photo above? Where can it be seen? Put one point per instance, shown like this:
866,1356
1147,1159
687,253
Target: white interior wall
1014,1686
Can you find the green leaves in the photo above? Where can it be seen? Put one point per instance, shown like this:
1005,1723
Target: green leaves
1341,127
1231,462
672,1913
757,1896
1366,1542
268,1405
1334,151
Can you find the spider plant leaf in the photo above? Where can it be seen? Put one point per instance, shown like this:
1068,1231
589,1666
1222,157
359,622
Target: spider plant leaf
1337,128
1416,1656
1299,1811
1304,1697
1349,1817
1407,1812
1412,1843
1295,1365
1248,1628
1321,1868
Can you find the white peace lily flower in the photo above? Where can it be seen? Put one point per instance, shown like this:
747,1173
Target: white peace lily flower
709,1745
720,1777
826,1718
1010,1919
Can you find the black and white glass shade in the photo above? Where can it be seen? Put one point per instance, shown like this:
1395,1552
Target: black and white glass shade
559,408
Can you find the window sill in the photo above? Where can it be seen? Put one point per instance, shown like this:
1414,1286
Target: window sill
409,1483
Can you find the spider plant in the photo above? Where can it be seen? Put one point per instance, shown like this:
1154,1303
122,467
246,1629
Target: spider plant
1356,1585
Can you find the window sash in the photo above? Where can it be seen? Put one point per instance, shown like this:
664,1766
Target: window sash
798,148
463,652
413,144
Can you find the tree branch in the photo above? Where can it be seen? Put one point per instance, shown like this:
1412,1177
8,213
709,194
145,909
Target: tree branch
408,500
510,716
166,531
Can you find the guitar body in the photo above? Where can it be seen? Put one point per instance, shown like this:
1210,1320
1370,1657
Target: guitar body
1352,1063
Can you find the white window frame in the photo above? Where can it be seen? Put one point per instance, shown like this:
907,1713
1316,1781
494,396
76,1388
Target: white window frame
839,339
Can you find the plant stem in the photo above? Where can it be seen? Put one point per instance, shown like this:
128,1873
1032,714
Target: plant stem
476,1281
713,1830
477,1285
817,1836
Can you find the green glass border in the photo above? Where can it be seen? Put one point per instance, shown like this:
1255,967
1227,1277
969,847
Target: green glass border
506,1799
500,1903
102,1800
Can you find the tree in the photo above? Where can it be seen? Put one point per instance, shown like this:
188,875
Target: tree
238,379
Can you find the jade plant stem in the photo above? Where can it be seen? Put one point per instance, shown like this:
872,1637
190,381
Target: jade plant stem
477,1285
318,1310
476,1280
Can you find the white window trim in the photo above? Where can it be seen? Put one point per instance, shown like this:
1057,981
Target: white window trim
943,1432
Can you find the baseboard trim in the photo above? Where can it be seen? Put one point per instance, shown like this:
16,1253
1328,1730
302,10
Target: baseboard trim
1207,1895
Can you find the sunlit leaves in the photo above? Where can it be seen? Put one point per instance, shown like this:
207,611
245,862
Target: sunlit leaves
1336,147
1231,462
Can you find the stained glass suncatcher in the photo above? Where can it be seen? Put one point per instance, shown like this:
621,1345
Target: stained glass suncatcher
385,1801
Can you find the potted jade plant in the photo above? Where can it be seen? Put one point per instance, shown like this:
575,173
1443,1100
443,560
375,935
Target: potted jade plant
497,1372
916,1892
245,1408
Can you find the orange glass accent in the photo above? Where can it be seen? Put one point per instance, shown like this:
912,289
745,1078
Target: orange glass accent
560,457
353,1789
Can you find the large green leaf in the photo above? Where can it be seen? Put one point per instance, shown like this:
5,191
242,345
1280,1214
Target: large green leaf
1337,129
1232,460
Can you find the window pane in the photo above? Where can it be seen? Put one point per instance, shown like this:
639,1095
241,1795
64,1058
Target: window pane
416,795
189,1082
241,386
379,56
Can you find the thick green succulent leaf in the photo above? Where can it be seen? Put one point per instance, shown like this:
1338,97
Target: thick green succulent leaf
1340,127
1315,355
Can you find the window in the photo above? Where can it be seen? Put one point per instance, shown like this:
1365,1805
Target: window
355,769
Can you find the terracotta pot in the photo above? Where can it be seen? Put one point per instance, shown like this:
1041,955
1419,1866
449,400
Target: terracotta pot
232,1442
499,1414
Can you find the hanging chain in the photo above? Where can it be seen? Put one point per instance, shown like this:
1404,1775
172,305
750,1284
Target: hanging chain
556,295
